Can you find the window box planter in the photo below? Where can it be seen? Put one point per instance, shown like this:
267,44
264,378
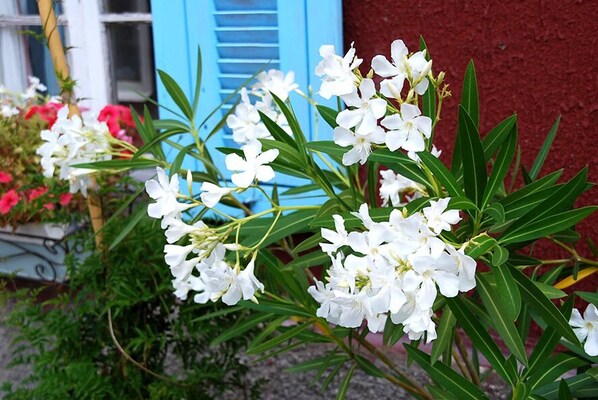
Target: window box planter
36,251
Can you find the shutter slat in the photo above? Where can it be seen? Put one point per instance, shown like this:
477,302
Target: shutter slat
246,18
225,5
244,50
247,35
246,66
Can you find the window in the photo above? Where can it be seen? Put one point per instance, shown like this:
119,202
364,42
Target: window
19,46
109,42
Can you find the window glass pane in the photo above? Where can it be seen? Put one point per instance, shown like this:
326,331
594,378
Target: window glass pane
124,6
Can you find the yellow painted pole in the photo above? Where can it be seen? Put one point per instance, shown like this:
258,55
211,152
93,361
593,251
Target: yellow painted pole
50,27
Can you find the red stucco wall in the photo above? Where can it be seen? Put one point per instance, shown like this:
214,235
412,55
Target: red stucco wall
538,59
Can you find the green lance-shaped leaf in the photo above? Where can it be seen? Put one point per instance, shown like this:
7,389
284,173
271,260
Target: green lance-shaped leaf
470,103
139,214
286,152
500,255
344,387
328,114
198,74
543,183
279,339
445,377
328,147
274,267
480,338
501,320
253,231
392,333
547,226
445,331
330,207
401,164
329,360
507,289
122,164
442,173
472,153
469,95
276,131
241,327
547,343
564,391
577,384
152,144
559,200
177,94
309,243
553,368
589,297
501,166
541,157
292,121
536,299
368,367
497,212
493,140
480,245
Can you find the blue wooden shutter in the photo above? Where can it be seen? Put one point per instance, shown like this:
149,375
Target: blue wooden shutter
237,38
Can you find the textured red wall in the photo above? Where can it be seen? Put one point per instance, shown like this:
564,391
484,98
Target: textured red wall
538,59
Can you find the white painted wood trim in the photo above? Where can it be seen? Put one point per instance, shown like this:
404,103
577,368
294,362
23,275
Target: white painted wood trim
88,55
123,18
24,20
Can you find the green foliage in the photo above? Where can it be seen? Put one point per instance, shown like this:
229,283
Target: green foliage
67,340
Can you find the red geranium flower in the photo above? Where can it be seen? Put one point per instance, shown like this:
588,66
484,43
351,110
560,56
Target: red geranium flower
48,112
37,192
8,201
65,199
5,177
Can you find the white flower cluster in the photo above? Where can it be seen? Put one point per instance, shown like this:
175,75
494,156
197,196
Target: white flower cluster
200,265
586,328
392,269
73,141
11,101
246,123
398,190
365,122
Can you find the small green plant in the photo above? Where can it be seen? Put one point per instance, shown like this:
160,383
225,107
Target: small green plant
118,333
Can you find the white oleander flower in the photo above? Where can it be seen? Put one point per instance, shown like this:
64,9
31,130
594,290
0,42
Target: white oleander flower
337,72
394,187
361,144
35,85
245,122
394,268
73,141
438,218
221,281
177,228
8,110
586,328
165,193
253,166
211,194
408,130
414,69
365,111
336,238
277,82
